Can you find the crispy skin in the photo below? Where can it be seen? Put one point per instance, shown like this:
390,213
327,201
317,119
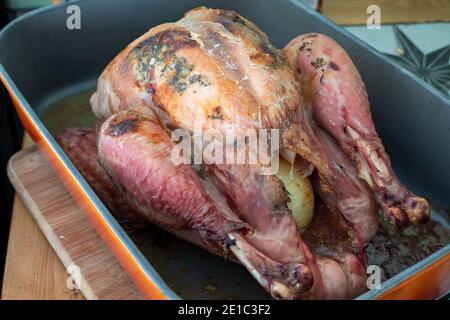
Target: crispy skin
212,66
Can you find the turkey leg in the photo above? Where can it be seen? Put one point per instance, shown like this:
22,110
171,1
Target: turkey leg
335,90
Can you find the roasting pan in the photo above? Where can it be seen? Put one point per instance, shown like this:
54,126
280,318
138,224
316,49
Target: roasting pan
42,61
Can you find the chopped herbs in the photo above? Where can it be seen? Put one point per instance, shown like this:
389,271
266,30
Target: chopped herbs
159,51
319,63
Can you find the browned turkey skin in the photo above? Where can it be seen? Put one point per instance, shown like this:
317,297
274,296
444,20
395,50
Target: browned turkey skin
217,68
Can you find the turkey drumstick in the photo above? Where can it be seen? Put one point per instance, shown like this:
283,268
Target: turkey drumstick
335,90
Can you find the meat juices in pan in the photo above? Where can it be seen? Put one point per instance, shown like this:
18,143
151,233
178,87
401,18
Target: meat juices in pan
217,68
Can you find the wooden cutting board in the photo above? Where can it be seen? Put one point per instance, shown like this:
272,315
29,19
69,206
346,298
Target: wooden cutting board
67,229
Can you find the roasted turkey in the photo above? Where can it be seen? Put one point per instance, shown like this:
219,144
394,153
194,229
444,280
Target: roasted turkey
215,71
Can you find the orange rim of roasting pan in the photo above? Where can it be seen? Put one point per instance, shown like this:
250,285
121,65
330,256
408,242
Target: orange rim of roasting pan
148,288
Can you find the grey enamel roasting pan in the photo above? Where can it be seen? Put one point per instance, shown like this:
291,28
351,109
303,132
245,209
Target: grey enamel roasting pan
42,61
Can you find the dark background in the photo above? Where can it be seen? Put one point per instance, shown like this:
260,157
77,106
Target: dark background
11,133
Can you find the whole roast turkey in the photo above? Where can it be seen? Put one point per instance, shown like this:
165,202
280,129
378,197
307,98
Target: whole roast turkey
216,68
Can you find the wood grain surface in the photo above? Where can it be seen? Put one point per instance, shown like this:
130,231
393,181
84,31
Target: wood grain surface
69,233
32,268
